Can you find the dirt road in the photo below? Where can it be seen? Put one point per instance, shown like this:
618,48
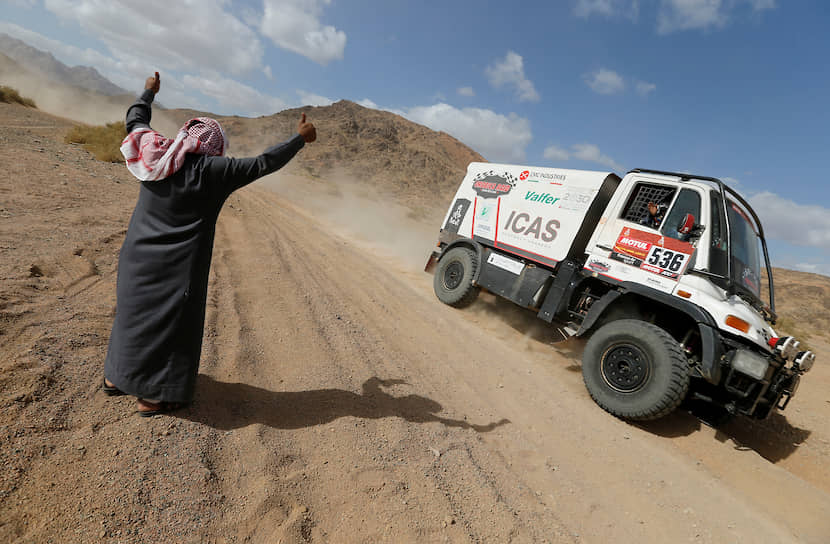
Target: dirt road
339,401
483,425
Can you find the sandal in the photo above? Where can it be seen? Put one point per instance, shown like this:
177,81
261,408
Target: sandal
148,408
110,390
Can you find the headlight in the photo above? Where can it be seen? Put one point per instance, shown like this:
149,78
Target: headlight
750,364
786,346
804,360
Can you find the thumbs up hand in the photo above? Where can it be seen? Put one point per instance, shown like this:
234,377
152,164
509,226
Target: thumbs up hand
153,83
306,130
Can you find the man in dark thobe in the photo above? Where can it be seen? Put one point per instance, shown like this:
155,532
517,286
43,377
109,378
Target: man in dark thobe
163,266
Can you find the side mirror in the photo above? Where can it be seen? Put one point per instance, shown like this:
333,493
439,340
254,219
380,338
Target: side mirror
688,229
686,224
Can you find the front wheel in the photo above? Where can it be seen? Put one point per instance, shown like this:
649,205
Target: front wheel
635,370
453,280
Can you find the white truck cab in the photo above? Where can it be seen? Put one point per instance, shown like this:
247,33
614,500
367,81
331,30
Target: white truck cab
663,270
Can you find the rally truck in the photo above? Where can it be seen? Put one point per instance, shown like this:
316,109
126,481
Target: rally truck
661,271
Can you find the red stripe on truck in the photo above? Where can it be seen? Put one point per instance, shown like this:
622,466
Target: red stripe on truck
498,207
473,231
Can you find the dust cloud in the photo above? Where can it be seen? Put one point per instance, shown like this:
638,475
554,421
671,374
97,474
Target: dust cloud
359,212
78,104
68,102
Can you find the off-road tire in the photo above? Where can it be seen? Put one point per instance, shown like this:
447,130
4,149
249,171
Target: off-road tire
635,370
453,280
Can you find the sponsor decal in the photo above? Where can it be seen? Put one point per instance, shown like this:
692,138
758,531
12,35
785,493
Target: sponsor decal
490,185
653,253
505,263
545,198
522,223
459,210
524,175
750,279
547,176
655,281
599,266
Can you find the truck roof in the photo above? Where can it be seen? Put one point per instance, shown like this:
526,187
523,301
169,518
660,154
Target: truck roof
601,174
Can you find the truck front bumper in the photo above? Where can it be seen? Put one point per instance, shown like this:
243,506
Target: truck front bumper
758,383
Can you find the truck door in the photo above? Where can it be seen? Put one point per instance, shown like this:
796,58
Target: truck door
639,241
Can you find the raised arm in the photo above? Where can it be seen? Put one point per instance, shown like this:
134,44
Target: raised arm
229,174
139,114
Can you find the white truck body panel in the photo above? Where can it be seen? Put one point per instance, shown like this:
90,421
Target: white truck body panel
528,211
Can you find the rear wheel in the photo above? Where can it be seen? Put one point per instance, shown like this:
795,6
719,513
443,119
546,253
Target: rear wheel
635,370
453,280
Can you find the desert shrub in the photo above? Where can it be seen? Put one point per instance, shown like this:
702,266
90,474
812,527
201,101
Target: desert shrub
11,96
104,142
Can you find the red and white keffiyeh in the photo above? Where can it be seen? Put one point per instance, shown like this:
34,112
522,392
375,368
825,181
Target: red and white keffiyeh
150,156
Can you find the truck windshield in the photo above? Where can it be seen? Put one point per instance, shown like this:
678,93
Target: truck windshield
745,244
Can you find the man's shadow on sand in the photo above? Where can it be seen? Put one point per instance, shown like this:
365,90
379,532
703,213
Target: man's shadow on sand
226,406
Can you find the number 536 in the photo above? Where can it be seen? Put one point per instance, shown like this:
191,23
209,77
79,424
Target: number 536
666,259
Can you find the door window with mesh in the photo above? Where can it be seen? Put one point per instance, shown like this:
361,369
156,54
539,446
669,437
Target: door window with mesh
636,210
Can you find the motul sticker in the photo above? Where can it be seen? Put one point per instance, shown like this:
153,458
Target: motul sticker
653,253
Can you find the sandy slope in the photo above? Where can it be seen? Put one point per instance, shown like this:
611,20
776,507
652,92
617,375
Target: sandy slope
338,400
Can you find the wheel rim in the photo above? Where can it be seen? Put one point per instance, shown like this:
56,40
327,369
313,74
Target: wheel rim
625,368
453,275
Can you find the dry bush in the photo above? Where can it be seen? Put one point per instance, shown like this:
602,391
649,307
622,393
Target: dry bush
104,142
11,96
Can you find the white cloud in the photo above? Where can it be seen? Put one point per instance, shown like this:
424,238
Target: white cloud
605,81
497,137
585,152
268,73
608,8
366,103
66,53
555,153
237,97
510,72
644,88
168,35
591,152
799,224
676,15
295,25
466,91
311,99
807,267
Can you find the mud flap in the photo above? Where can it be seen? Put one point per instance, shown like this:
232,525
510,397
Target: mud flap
431,262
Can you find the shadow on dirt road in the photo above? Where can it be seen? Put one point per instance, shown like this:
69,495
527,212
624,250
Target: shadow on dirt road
226,406
774,439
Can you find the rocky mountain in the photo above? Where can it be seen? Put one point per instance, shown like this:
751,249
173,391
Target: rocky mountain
45,64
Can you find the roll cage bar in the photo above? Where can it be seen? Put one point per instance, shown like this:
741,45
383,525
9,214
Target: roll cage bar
732,287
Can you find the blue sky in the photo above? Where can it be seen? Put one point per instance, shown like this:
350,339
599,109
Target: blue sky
735,89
